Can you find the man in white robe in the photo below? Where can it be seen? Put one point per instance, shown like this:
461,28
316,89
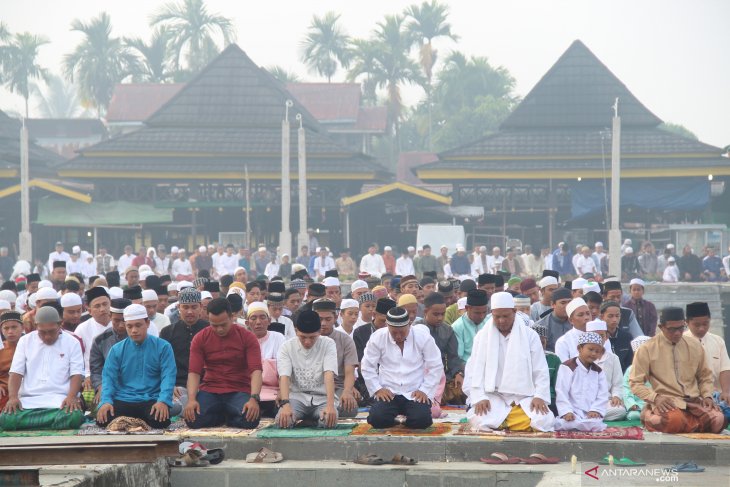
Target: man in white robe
507,381
566,347
99,306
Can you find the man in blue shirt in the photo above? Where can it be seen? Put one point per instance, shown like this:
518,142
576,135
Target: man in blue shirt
139,375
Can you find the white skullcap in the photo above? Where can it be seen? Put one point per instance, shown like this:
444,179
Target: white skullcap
461,303
145,274
172,287
284,255
297,268
4,305
75,249
483,248
460,248
591,286
237,290
495,248
20,302
671,259
205,295
149,295
444,246
70,299
202,249
174,249
144,268
46,293
257,306
502,300
575,304
183,284
637,281
135,312
239,269
331,281
547,281
411,248
349,303
45,283
596,325
8,295
669,246
599,244
116,292
387,247
359,284
628,250
31,300
263,249
627,241
578,284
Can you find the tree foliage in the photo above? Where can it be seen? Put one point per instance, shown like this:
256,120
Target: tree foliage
325,47
19,58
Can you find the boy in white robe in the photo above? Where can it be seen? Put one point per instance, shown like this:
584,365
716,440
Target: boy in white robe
581,390
506,380
611,366
566,347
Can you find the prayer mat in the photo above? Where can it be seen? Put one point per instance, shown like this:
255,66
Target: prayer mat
436,429
466,429
706,436
91,429
271,431
218,432
451,417
41,419
631,433
623,424
453,407
26,433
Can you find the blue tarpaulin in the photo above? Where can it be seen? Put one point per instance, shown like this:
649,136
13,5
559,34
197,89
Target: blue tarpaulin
587,197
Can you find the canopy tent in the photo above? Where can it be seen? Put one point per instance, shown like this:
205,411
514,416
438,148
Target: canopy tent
69,213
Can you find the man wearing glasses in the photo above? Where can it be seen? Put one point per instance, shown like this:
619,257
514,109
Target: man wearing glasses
680,397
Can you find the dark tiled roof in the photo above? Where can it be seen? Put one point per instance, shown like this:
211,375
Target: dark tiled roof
578,91
39,159
135,102
39,128
329,102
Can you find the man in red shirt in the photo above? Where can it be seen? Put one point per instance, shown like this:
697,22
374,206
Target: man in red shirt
231,358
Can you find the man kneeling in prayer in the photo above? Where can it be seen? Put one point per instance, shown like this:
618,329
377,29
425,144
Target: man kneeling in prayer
507,379
139,375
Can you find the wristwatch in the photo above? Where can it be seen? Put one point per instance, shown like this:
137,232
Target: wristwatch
256,397
283,401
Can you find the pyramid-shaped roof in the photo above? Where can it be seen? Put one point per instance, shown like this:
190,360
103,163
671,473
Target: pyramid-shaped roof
578,91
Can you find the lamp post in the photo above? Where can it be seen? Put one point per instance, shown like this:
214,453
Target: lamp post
303,237
614,235
285,235
25,238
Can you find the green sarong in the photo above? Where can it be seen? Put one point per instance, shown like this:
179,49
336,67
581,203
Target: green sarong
36,419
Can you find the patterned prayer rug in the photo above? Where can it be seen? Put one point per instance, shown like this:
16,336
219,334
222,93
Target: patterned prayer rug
611,433
342,429
467,430
436,429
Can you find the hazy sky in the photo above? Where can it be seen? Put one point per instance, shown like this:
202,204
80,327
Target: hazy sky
672,54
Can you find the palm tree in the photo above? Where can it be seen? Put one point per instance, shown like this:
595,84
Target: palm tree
99,62
464,79
194,32
155,57
325,47
283,75
59,100
364,53
20,63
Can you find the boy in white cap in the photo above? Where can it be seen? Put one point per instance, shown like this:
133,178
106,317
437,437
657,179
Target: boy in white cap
579,315
158,321
611,366
581,391
671,272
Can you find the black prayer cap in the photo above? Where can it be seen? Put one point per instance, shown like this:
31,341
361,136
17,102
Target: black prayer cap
161,290
671,313
275,298
324,304
32,278
431,274
568,285
152,282
299,274
112,278
308,322
316,290
212,287
11,316
97,292
499,281
446,288
118,304
277,287
383,305
10,285
467,285
236,302
226,280
277,327
561,293
426,281
59,263
476,297
134,292
486,279
697,309
331,273
611,286
548,272
165,278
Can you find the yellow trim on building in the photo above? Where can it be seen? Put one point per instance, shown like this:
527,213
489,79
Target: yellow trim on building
53,188
209,175
423,193
216,155
461,174
8,173
573,157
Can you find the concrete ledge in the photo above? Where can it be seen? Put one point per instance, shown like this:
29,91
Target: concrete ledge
156,474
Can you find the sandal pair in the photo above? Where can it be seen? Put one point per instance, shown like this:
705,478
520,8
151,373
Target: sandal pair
264,455
499,458
375,459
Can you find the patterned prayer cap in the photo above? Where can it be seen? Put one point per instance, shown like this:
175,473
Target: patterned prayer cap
189,295
639,341
590,337
541,330
366,297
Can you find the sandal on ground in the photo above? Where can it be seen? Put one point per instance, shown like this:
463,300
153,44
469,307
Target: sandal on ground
191,458
540,459
215,456
399,459
264,455
622,462
370,459
688,467
499,458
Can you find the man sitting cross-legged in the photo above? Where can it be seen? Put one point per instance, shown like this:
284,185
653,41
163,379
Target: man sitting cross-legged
139,375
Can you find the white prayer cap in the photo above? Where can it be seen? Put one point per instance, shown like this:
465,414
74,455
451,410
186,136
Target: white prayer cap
444,246
144,275
75,249
144,268
359,284
70,299
495,248
639,341
46,293
149,295
202,249
8,295
205,295
575,304
627,241
483,248
547,281
461,303
183,284
599,244
628,250
638,282
135,312
257,306
331,281
611,279
411,248
237,290
387,247
45,283
116,292
460,248
284,255
596,325
578,283
172,287
263,249
671,247
502,300
671,259
349,303
592,286
174,249
32,300
4,305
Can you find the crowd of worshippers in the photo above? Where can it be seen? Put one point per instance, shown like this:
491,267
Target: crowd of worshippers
526,356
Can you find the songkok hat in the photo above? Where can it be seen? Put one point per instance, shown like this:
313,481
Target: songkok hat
152,282
275,299
671,313
47,314
308,322
135,312
95,292
189,295
578,284
397,317
298,284
548,272
467,285
384,305
612,285
590,337
366,297
134,292
638,282
330,281
33,278
70,299
596,325
501,300
697,309
478,297
277,287
573,305
59,263
45,283
149,295
540,329
331,273
395,282
205,295
348,303
547,281
591,286
257,306
359,284
446,288
407,299
11,316
527,284
116,292
639,341
212,287
324,304
461,303
486,279
316,290
119,304
521,300
46,293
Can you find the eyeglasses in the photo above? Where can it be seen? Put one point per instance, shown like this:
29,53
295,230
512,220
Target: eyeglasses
676,329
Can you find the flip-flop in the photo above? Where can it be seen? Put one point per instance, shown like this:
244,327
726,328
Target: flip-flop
622,462
191,458
688,467
399,459
540,459
370,459
215,456
264,455
500,459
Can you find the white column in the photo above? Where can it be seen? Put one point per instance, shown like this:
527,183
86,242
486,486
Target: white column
285,235
303,238
25,237
614,235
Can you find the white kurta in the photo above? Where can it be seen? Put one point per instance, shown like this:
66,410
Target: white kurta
404,266
611,366
87,331
579,390
159,322
521,374
566,347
